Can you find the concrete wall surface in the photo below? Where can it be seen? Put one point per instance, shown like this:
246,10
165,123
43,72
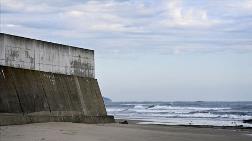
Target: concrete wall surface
28,91
20,52
42,81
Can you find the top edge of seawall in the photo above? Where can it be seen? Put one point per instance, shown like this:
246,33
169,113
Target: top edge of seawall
28,38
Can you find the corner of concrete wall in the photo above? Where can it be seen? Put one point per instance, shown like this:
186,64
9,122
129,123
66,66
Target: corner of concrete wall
2,49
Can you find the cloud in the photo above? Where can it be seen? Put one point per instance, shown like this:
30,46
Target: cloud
117,16
179,16
128,26
25,6
245,5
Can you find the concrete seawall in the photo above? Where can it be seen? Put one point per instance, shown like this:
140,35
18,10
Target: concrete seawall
26,53
30,95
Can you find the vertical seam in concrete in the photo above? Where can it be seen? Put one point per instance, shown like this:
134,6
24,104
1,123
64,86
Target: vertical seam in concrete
66,95
83,106
93,92
47,101
27,79
69,97
19,101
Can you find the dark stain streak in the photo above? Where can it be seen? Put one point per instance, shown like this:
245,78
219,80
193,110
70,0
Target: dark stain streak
80,68
14,54
32,60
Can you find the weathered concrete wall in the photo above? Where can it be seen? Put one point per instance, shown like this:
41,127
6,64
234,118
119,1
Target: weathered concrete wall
28,91
42,82
44,56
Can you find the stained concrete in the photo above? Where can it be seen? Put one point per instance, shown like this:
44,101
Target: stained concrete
33,91
42,81
26,53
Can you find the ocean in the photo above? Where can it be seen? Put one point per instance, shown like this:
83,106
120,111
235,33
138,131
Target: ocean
183,113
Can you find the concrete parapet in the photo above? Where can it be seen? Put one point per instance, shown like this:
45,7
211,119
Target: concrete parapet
26,53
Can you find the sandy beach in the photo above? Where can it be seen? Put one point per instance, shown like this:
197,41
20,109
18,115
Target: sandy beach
59,131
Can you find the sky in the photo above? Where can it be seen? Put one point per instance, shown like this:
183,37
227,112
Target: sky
149,50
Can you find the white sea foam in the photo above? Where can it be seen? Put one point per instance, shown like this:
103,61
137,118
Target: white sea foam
186,115
139,107
163,107
185,121
115,109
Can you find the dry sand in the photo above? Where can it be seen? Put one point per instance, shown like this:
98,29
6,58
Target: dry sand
59,131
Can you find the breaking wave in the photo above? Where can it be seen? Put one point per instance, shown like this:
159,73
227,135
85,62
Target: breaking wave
210,113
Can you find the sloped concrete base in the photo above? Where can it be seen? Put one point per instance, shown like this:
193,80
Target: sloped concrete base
33,96
18,119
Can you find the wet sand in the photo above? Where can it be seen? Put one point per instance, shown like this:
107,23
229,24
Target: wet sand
65,131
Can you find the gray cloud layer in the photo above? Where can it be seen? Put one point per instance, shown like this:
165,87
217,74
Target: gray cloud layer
160,26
